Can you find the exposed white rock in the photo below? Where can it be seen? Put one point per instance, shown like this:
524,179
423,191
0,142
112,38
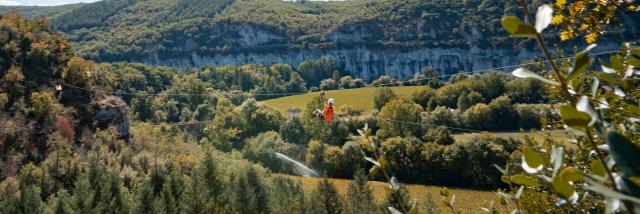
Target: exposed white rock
366,63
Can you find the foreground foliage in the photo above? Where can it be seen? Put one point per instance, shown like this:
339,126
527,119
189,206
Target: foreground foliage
599,108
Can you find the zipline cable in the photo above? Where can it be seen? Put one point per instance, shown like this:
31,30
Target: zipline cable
391,120
431,125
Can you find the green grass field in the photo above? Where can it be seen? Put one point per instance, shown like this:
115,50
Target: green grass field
362,99
469,201
359,98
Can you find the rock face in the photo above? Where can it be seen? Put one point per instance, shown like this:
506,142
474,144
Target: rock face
112,111
356,56
367,63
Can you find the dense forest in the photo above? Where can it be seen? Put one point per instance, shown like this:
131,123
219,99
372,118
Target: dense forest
125,134
33,12
80,136
117,30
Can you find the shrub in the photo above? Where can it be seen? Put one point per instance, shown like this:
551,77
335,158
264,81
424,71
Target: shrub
315,155
475,98
384,80
404,159
422,96
382,96
464,102
468,160
334,133
293,131
328,84
352,160
262,148
347,110
442,116
531,116
43,105
13,79
4,100
434,159
433,77
479,116
439,135
259,117
402,110
345,82
357,83
526,91
503,113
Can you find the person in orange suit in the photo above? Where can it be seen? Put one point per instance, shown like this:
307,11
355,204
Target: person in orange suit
328,110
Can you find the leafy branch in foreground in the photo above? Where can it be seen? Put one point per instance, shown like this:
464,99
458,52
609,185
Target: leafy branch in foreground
448,202
600,109
380,165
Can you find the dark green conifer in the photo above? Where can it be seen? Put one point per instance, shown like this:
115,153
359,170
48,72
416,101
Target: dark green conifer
145,199
327,198
359,197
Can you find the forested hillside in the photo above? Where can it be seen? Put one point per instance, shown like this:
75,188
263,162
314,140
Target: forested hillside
85,136
75,137
39,11
113,30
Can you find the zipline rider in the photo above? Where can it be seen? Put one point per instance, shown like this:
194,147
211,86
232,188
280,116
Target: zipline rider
328,109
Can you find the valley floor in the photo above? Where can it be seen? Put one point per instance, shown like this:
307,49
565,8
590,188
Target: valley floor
358,98
468,200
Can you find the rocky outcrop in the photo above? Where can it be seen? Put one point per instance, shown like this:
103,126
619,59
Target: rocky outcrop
368,63
354,50
112,111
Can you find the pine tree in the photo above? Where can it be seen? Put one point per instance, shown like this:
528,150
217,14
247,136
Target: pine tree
118,201
157,179
168,201
11,203
30,201
96,181
359,195
211,177
298,199
81,195
288,196
195,199
245,197
261,197
62,205
145,198
172,192
328,197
